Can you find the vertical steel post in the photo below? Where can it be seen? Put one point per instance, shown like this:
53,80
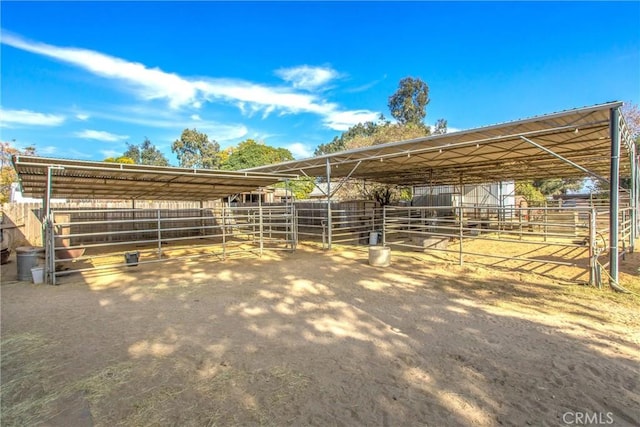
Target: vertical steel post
288,217
545,220
260,223
225,211
593,246
48,238
159,225
384,225
329,224
51,256
633,198
461,219
614,199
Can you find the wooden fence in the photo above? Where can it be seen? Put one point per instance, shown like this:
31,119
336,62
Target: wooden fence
22,222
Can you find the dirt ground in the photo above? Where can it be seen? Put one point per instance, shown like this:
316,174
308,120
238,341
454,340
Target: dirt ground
318,338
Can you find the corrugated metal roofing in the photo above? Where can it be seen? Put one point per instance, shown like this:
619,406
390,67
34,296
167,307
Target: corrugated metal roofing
488,154
100,180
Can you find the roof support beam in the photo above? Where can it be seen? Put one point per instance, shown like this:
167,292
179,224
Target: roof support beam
564,159
329,224
344,179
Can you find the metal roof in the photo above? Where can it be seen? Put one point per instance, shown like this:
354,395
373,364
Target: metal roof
100,180
488,154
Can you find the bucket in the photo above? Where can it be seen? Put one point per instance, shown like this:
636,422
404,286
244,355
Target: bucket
37,274
27,257
379,256
131,258
374,238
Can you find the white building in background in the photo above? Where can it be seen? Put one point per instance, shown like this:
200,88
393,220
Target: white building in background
490,195
17,197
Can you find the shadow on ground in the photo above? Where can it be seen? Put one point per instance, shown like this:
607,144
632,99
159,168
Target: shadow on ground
315,338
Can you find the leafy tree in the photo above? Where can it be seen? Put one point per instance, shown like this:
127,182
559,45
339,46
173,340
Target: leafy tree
554,186
301,188
531,194
195,150
408,107
366,129
121,159
146,154
409,103
133,153
440,127
8,174
250,153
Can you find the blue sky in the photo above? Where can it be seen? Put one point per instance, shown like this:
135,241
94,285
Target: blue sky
79,80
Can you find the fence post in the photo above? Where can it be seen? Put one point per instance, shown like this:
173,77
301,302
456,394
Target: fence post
261,225
593,249
225,210
384,226
545,221
159,225
461,219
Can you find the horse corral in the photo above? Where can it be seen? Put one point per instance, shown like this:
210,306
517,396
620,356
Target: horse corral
222,313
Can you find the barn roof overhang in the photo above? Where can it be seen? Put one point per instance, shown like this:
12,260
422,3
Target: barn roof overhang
101,180
569,144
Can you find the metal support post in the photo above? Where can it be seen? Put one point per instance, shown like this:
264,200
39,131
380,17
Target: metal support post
614,194
329,225
593,247
384,226
461,216
159,225
261,224
633,198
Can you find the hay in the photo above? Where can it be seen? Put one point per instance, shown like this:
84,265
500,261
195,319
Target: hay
27,390
30,390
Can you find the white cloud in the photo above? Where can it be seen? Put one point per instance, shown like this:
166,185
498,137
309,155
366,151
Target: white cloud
221,132
343,120
82,116
306,77
111,153
47,151
100,135
299,150
27,117
250,98
195,117
151,83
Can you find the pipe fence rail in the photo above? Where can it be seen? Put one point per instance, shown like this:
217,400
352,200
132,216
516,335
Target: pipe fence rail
85,240
90,239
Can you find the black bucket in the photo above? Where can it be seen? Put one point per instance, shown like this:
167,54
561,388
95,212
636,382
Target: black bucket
131,258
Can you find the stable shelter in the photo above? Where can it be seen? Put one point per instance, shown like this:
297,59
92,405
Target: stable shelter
589,142
69,232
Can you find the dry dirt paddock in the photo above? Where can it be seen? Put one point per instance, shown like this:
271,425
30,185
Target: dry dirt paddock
318,338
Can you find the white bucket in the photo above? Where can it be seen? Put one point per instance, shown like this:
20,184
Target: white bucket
37,273
379,256
373,238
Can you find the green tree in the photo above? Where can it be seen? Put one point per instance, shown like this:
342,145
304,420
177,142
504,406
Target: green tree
408,105
301,188
121,159
8,174
440,127
251,153
532,195
195,150
555,186
146,154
